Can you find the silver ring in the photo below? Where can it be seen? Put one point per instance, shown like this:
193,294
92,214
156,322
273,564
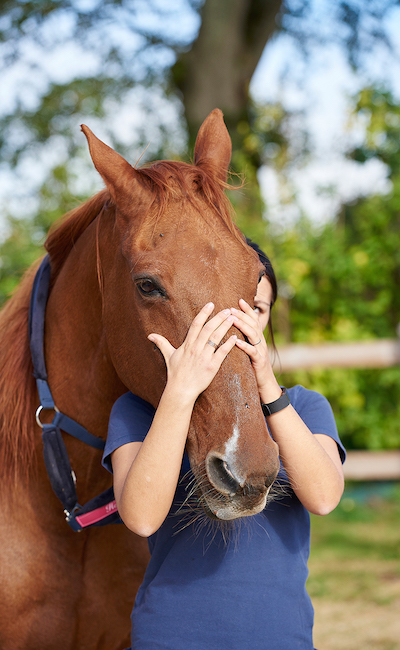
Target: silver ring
214,345
257,342
40,409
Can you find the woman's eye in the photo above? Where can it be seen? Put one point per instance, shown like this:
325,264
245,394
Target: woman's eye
256,309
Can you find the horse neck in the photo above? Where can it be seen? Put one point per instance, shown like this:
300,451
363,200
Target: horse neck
82,378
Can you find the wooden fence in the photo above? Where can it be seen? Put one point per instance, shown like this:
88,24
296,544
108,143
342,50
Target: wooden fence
361,354
382,353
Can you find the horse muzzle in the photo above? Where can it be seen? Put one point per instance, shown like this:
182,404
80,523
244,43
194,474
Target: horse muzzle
234,493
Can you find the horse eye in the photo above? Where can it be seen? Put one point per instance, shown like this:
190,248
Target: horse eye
147,287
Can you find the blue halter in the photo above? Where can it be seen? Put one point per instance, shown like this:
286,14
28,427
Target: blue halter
100,510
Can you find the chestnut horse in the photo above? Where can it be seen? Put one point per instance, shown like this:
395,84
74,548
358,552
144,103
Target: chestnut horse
144,255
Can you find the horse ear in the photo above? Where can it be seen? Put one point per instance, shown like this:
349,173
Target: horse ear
118,175
213,144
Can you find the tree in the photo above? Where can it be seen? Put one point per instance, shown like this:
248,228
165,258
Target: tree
138,45
344,283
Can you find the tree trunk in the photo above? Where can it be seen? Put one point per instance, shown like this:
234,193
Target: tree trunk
216,72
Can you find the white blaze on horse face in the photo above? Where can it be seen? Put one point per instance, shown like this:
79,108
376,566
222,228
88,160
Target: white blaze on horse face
232,444
231,447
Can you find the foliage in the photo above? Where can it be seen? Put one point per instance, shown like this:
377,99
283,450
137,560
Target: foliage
366,514
341,282
24,243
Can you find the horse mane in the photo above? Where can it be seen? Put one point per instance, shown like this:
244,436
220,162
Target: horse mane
18,397
66,232
17,384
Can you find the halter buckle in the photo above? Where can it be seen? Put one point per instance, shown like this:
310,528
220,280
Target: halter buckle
70,518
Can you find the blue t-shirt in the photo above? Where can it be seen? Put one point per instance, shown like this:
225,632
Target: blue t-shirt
236,586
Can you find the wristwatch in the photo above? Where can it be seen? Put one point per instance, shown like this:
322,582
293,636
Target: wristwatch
273,407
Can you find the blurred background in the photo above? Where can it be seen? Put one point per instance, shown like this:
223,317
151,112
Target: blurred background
310,91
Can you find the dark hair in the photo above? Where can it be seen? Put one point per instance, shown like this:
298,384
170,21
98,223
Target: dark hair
270,274
269,271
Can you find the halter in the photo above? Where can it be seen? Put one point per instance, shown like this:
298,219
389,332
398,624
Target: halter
100,510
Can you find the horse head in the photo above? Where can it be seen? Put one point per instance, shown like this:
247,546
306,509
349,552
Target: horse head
166,246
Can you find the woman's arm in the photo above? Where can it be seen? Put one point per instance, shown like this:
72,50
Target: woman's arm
146,474
312,462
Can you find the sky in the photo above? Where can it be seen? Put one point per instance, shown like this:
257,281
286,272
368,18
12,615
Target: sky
321,88
323,92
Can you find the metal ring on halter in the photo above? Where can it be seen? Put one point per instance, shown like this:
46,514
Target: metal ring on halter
257,342
40,409
214,345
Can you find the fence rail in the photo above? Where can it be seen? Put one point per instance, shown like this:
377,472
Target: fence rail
381,353
372,466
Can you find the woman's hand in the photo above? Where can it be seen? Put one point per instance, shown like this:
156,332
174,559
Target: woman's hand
193,365
246,320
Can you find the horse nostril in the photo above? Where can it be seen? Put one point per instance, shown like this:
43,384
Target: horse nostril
221,476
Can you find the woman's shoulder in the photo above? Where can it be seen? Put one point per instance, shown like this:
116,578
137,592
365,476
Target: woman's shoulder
313,408
300,396
316,412
130,419
130,403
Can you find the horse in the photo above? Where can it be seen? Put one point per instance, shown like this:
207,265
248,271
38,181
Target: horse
143,255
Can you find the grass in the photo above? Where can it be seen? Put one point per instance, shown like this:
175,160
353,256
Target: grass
354,578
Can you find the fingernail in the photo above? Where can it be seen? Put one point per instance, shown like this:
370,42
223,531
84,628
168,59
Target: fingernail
226,311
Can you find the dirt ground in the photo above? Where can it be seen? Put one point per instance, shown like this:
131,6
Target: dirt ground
356,625
354,580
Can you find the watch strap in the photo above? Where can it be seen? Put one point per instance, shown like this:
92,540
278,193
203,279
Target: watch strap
273,407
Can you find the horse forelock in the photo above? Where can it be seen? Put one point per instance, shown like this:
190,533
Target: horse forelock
176,180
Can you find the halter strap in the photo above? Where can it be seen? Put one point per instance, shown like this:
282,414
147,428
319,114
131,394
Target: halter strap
102,509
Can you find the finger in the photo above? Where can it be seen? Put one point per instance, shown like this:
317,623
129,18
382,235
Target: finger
251,350
216,328
198,322
244,306
163,345
248,315
225,348
251,330
216,335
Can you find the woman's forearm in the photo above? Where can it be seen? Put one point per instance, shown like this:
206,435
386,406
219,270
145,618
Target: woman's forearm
145,495
311,461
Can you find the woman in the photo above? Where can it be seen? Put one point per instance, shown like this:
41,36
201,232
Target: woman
205,588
